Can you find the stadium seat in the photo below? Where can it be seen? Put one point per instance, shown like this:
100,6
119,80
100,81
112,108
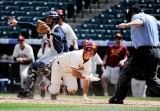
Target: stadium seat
12,8
42,8
32,10
27,8
21,3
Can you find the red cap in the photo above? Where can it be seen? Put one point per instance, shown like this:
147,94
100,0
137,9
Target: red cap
21,38
119,35
60,12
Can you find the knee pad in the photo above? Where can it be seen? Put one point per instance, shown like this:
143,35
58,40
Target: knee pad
32,68
43,69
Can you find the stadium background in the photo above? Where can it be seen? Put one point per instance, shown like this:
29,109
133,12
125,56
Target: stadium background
96,20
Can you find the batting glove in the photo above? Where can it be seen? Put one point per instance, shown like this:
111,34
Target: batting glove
92,78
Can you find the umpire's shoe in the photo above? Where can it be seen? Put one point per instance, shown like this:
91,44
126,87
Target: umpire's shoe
114,100
25,95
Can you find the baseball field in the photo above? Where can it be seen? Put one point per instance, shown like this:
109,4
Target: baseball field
9,102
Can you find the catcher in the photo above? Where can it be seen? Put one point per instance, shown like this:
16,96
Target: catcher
56,41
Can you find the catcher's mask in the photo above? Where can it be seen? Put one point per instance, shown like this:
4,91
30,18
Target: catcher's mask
54,16
131,10
90,47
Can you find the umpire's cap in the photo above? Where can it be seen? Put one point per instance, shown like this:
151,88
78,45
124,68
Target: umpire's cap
133,9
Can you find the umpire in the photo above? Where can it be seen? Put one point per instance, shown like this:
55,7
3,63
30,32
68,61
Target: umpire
144,35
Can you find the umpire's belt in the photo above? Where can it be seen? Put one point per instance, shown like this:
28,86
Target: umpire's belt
148,47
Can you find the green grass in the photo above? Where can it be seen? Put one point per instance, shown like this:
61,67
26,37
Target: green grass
89,107
51,107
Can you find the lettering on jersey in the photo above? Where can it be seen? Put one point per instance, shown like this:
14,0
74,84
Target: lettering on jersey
22,55
115,52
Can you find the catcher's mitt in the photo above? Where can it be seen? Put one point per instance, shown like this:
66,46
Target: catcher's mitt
42,27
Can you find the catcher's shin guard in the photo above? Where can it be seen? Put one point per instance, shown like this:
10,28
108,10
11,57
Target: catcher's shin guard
43,69
29,86
31,79
28,92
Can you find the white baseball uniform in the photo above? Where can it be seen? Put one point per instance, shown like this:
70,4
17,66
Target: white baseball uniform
112,73
27,52
70,35
62,68
94,61
138,87
40,51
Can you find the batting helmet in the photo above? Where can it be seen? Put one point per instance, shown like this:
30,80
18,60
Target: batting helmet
129,12
54,15
91,46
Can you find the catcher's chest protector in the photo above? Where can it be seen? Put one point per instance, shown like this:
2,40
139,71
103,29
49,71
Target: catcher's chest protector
50,39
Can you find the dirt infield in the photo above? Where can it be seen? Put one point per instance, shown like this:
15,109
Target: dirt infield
76,101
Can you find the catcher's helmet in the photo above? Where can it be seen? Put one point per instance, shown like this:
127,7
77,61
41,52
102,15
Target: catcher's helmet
84,42
53,15
134,9
91,46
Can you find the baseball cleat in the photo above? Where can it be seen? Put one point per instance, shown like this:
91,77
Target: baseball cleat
25,95
42,93
114,100
53,97
87,99
42,85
